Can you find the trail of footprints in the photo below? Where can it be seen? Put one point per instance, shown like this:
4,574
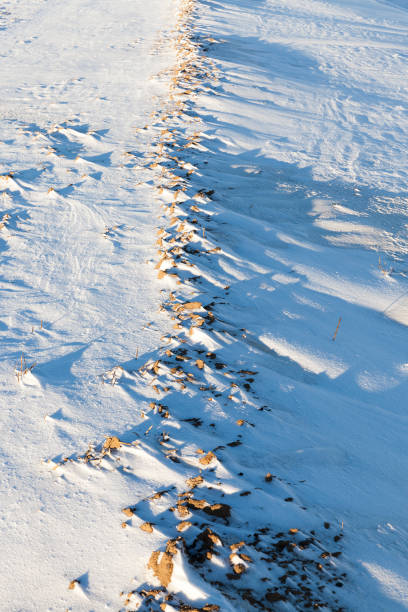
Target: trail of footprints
247,539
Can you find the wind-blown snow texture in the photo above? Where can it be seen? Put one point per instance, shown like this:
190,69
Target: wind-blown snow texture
253,396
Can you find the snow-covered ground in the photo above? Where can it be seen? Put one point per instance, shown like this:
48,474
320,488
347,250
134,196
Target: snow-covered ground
311,132
77,297
264,420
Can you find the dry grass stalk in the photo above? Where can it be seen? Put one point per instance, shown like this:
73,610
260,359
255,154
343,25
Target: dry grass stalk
337,329
22,369
384,270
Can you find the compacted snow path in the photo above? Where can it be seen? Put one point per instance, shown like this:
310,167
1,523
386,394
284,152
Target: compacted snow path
213,417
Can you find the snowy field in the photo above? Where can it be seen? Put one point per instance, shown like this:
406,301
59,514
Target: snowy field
204,305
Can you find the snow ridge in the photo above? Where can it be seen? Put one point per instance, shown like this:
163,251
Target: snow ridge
227,532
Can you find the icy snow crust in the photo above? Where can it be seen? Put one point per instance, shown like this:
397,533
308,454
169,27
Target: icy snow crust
267,141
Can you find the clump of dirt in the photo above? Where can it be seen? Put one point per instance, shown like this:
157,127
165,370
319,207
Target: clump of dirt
202,547
161,563
206,460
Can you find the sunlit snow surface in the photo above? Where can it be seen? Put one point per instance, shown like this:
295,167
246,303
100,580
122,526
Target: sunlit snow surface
308,160
76,292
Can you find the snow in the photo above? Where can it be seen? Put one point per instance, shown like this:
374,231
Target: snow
266,141
75,297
